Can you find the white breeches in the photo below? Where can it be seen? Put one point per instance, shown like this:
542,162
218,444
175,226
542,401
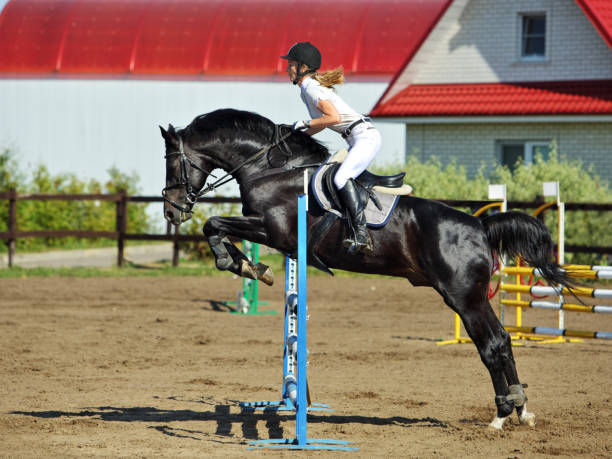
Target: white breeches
364,145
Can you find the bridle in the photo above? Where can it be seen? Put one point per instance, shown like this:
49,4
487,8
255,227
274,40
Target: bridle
192,195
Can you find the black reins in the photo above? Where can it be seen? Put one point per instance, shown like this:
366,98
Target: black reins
278,140
192,196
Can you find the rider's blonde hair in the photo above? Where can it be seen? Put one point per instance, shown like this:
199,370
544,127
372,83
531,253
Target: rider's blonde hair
330,78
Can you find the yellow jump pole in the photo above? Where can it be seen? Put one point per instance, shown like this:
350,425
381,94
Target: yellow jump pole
519,310
593,308
458,338
552,189
546,290
569,269
588,267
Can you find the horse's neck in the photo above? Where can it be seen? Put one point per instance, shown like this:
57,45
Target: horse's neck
272,162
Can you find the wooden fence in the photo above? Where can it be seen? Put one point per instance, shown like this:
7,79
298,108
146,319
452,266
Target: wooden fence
121,235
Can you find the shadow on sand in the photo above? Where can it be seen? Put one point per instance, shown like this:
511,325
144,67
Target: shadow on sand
224,418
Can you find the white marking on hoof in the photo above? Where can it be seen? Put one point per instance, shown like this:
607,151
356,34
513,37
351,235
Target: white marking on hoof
498,423
527,418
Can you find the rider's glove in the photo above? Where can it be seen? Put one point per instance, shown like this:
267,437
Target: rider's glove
301,125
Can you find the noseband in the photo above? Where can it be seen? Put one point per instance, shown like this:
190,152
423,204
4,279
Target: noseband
193,195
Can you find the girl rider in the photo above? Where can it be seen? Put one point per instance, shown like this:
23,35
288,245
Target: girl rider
328,110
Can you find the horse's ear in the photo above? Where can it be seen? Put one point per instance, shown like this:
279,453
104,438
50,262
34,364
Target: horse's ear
169,135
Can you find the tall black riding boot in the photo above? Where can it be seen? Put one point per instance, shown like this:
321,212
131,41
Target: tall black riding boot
350,198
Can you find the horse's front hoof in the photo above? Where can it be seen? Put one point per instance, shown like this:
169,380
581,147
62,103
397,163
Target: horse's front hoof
247,270
264,274
223,263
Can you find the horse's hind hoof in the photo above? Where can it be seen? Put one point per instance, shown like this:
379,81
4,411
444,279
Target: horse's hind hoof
497,424
530,419
527,418
264,274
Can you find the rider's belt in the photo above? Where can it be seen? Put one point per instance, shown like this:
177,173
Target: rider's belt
352,126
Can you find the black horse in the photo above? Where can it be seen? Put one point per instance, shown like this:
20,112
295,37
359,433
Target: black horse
425,241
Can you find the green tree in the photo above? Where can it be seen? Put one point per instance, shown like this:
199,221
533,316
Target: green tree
67,215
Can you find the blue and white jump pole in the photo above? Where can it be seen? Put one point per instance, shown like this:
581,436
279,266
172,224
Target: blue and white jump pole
302,441
288,400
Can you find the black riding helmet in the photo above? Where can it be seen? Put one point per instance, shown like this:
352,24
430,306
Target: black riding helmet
304,53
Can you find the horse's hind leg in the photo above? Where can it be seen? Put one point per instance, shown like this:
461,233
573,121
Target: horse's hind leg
495,349
517,394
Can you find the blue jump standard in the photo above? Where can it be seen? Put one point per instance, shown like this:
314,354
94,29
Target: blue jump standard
311,443
283,405
302,442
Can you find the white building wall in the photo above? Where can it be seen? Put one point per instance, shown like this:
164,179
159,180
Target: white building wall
475,143
483,45
85,127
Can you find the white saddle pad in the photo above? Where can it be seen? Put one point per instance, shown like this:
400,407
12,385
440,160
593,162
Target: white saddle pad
374,217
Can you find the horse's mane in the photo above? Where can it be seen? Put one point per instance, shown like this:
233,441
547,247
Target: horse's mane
260,127
229,118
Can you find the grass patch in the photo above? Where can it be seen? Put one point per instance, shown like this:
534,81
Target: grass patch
158,270
161,269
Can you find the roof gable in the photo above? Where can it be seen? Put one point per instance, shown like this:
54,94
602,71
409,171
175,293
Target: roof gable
599,13
459,94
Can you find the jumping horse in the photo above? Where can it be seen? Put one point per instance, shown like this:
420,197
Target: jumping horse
425,241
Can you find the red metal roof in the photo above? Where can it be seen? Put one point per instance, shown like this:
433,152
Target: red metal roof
501,99
530,98
600,14
214,38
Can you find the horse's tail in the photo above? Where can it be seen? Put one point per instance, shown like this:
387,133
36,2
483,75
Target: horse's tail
518,234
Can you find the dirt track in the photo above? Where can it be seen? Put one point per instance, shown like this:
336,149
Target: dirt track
144,367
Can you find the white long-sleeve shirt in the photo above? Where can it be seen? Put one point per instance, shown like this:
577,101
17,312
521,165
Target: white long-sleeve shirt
312,92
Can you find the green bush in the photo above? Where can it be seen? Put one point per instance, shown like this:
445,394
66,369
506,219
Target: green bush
433,180
66,215
576,184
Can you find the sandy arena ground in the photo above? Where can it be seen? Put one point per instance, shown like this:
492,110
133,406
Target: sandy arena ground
155,367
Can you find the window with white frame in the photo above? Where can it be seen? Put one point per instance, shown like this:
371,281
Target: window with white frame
533,36
513,152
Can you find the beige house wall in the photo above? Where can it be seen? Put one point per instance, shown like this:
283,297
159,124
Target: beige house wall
483,44
474,143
